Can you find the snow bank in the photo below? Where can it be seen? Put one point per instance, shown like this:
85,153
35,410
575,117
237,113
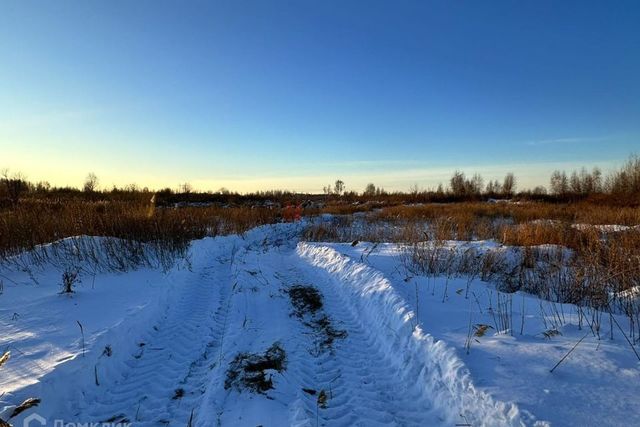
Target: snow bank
427,363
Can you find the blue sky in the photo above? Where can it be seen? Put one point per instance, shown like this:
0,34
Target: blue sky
294,94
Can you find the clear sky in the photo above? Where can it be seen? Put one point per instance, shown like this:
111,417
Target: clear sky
294,94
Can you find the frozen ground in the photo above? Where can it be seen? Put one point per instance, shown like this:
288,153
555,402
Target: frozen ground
161,349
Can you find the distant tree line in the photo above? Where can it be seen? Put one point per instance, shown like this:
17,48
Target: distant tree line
621,185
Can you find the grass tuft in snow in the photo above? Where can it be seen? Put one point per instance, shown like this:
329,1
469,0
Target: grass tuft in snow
307,303
4,358
27,404
305,299
69,278
253,372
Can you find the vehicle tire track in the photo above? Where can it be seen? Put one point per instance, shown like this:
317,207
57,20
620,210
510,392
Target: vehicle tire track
416,379
361,387
176,354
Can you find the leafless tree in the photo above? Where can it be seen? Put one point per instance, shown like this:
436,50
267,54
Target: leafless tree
15,186
539,190
509,185
414,190
185,188
457,184
370,190
559,183
90,183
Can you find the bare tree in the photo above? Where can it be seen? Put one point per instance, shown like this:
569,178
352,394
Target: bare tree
539,190
90,183
476,184
370,190
338,186
457,184
509,184
494,187
15,186
575,184
185,188
414,190
490,188
43,186
559,183
596,174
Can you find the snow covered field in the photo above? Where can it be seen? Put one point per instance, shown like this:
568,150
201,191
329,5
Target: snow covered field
222,340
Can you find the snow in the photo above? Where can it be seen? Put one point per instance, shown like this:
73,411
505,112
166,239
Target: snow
606,228
596,385
431,363
156,345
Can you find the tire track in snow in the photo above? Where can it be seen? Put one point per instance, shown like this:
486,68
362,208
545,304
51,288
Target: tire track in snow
181,410
423,367
362,389
177,354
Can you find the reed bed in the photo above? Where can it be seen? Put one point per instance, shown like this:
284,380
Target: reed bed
132,232
585,255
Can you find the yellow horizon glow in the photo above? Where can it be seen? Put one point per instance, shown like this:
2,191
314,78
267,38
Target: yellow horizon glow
63,170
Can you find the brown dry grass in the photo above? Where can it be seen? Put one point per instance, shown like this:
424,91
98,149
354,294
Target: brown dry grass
36,222
556,254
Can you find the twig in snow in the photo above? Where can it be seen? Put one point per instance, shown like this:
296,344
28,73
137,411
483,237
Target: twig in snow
570,351
523,309
626,337
82,333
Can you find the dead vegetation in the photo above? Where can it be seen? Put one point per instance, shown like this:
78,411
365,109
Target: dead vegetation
69,279
305,299
254,372
307,304
29,403
131,233
582,253
178,394
22,407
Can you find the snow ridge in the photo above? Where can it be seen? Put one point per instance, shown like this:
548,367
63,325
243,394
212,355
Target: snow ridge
363,388
423,361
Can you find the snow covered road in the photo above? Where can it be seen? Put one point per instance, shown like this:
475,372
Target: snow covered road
359,358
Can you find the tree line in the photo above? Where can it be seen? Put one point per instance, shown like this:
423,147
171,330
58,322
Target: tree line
622,183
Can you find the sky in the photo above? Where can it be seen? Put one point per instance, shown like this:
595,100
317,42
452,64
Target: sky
256,95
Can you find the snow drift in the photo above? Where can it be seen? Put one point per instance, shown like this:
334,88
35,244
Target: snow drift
425,362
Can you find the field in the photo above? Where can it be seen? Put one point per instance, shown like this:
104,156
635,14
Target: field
373,313
306,214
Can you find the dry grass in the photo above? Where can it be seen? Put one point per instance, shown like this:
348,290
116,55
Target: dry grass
253,372
308,305
601,270
134,223
556,250
469,212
